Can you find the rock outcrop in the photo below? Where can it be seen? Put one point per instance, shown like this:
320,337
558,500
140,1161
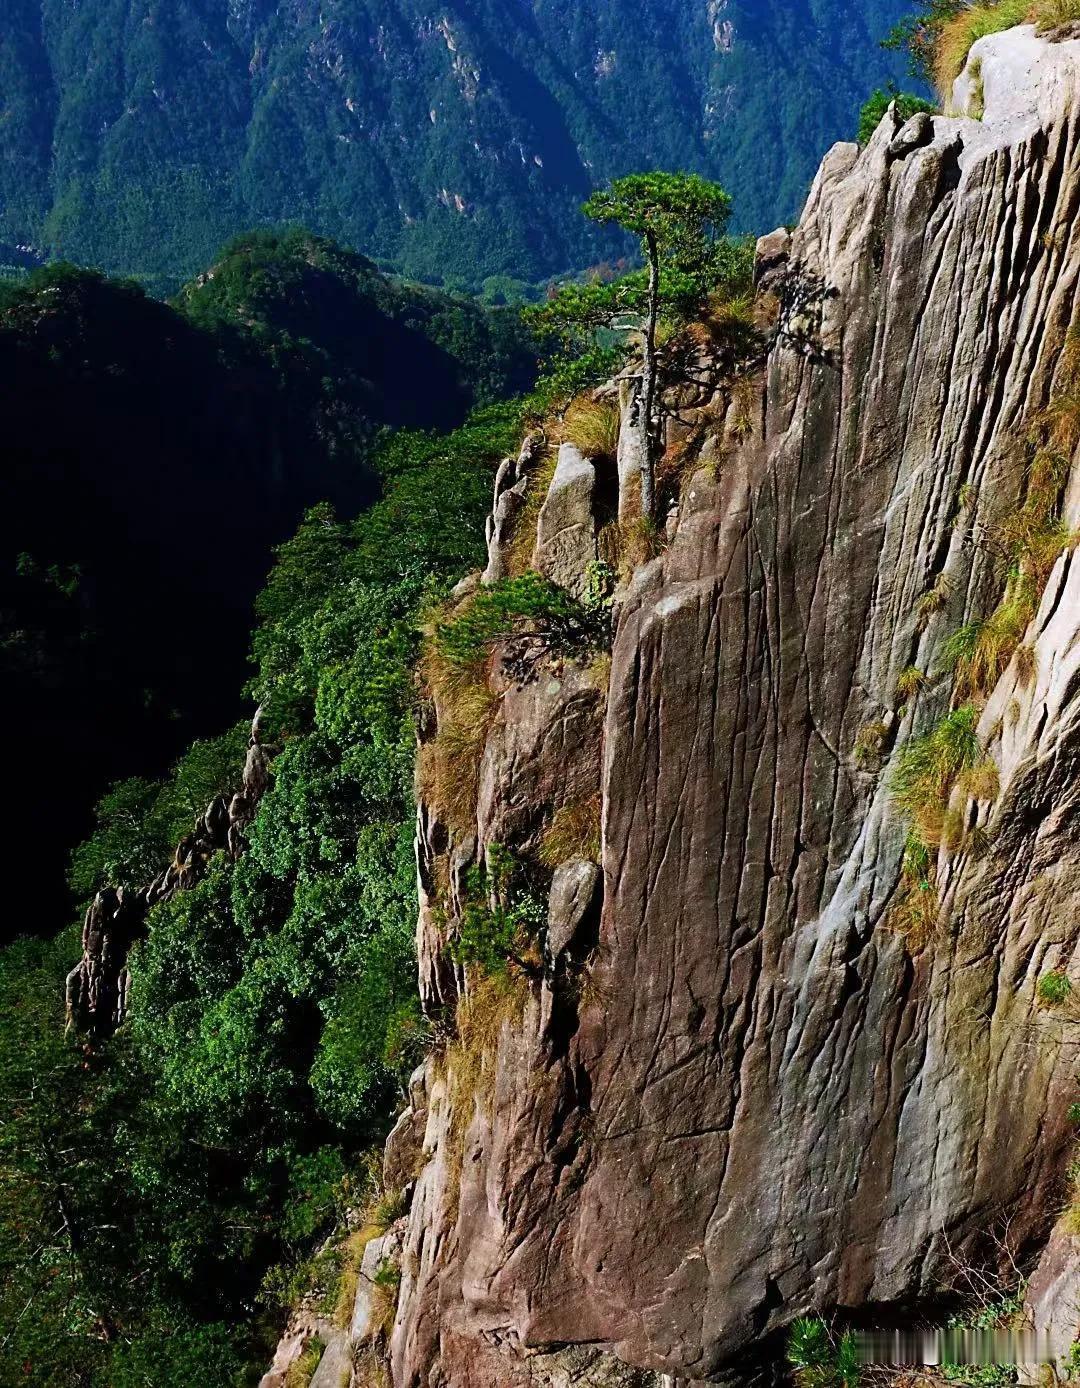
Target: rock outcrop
97,987
746,1092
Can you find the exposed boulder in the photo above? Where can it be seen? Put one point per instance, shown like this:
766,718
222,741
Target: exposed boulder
566,530
511,484
573,892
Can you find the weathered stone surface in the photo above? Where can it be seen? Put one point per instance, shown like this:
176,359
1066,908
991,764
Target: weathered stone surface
566,530
573,891
511,483
761,1101
628,458
1052,1303
771,258
367,1309
402,1155
335,1367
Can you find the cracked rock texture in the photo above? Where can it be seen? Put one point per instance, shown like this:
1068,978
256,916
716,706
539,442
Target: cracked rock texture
747,1096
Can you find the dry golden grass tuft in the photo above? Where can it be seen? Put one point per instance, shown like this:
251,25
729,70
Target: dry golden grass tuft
1051,14
974,22
469,1060
915,914
980,651
1025,663
301,1371
352,1256
734,309
928,819
592,426
370,1371
983,781
910,683
952,830
574,832
448,768
380,1209
744,398
384,1298
599,672
869,742
934,600
625,545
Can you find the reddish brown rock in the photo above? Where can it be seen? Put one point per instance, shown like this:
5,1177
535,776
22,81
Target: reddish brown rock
759,1101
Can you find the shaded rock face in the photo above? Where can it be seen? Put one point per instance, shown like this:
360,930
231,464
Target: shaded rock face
761,1098
97,987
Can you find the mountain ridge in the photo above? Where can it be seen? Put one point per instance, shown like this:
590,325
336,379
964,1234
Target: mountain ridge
454,142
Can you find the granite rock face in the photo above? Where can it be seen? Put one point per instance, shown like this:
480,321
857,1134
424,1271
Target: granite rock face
756,1097
566,530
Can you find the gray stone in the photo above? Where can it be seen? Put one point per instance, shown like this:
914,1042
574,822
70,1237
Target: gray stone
573,892
367,1306
771,258
628,456
566,530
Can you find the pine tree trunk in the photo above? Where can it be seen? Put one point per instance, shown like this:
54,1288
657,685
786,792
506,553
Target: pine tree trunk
648,386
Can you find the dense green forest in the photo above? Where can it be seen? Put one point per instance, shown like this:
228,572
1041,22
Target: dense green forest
456,143
161,1192
153,455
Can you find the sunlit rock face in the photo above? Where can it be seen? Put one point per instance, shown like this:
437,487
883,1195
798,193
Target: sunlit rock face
746,1090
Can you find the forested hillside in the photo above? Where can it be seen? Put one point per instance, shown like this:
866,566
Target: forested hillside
154,454
454,141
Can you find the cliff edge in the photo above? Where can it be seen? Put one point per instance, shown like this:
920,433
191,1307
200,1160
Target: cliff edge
785,1049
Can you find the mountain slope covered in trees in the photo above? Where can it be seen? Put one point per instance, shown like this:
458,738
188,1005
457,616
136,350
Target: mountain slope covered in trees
154,454
455,141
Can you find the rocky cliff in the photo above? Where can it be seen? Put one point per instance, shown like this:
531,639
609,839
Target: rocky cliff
783,1045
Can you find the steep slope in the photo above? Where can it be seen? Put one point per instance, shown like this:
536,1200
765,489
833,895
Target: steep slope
456,141
153,458
791,1051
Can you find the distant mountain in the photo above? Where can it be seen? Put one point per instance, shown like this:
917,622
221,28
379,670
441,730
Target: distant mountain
454,140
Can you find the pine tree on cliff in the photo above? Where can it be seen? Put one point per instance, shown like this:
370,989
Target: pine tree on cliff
680,221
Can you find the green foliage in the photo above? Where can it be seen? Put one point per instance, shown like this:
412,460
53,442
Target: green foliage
302,1370
308,305
679,218
143,147
1002,1309
178,1358
273,1013
529,604
501,916
388,1275
928,766
818,1359
917,33
873,111
1054,988
139,822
